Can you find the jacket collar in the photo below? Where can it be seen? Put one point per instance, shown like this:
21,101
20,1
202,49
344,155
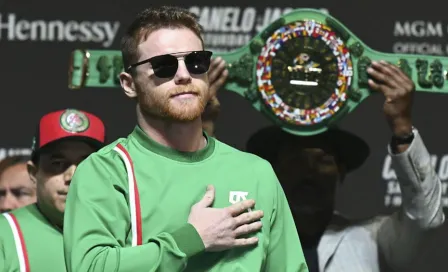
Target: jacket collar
331,239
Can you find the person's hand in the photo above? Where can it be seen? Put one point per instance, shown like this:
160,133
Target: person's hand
217,76
220,228
398,90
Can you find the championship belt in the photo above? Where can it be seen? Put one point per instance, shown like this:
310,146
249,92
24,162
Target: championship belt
305,71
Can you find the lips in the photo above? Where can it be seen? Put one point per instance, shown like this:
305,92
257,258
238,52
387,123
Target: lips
184,93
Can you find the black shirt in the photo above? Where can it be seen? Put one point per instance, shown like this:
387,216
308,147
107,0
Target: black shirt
312,259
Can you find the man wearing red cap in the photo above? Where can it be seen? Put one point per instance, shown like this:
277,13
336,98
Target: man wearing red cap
31,237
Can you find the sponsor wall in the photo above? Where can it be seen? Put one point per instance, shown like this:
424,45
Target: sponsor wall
20,29
228,28
37,37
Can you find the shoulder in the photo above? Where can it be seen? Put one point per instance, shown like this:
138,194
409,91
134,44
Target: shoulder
108,151
236,154
260,170
103,161
9,221
104,167
8,255
22,213
5,220
369,225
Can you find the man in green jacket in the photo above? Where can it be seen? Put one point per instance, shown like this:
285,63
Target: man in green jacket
139,204
31,236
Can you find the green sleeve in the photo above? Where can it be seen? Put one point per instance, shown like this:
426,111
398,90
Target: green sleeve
285,250
8,255
97,223
2,250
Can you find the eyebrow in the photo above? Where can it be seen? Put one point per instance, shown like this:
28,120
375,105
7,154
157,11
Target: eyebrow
20,188
14,188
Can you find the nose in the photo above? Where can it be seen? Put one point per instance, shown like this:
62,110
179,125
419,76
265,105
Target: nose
182,75
8,203
68,174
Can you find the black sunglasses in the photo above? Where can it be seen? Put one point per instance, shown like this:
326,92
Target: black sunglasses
165,66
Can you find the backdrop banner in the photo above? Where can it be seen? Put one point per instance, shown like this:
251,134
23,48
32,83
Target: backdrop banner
36,40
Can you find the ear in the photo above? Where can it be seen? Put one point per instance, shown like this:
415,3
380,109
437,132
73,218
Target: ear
127,83
32,171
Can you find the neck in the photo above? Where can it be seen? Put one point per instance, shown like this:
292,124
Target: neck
53,216
182,136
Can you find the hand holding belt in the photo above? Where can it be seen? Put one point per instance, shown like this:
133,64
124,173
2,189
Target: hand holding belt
305,71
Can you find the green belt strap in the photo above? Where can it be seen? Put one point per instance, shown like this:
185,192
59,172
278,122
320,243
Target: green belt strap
305,71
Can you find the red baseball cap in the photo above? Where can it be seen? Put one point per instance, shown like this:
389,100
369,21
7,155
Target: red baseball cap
68,123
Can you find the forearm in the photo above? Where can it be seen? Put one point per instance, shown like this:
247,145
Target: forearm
165,252
140,258
399,235
420,186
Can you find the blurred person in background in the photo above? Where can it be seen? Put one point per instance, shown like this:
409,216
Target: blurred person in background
16,187
31,237
311,168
